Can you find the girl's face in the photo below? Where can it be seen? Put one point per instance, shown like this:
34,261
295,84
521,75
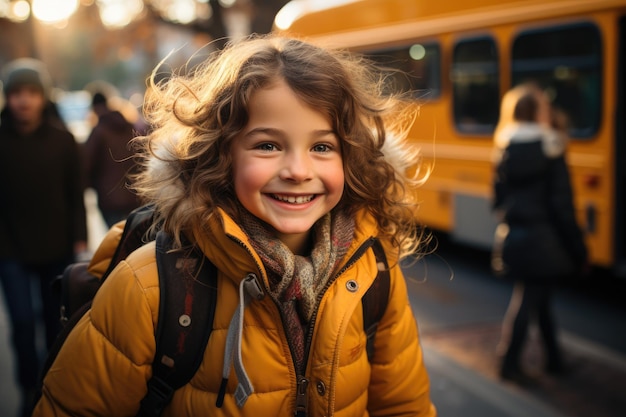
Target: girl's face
287,164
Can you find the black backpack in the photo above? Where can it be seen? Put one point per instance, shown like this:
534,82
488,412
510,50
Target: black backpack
180,320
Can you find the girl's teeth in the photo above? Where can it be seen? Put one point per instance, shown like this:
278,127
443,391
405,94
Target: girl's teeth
295,200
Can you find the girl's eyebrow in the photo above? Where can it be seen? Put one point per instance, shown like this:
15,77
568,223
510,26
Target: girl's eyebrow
267,130
270,131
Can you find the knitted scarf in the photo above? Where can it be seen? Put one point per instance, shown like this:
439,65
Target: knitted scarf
297,281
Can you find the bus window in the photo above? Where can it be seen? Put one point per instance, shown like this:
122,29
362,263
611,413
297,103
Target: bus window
475,85
419,68
566,61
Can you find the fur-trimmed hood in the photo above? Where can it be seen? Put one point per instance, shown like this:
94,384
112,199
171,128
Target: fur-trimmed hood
553,143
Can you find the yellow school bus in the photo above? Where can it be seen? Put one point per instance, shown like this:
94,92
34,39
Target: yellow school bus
460,57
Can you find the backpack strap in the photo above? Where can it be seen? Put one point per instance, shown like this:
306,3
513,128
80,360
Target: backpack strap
376,298
188,295
134,235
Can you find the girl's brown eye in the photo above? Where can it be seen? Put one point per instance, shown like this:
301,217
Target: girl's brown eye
266,147
322,147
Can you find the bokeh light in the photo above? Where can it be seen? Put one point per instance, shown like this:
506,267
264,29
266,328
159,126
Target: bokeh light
417,52
54,11
119,13
19,10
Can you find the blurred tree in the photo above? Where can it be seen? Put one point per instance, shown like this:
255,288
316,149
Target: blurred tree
81,48
10,47
264,13
260,13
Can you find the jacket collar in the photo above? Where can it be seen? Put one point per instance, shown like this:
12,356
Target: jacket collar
552,143
227,246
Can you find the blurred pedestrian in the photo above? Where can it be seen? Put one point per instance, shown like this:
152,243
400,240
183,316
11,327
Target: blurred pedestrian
109,161
42,212
275,159
538,242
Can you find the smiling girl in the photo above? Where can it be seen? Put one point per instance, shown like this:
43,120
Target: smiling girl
270,158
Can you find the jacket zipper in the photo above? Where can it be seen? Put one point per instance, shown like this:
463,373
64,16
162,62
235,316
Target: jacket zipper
302,397
356,256
302,382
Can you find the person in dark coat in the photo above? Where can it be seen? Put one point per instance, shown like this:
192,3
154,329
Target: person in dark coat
109,160
42,212
538,241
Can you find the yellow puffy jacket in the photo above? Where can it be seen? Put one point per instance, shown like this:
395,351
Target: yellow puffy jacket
104,365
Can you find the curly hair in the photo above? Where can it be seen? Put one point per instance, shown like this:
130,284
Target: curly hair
195,118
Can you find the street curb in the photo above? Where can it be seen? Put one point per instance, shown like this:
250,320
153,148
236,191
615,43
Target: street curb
588,348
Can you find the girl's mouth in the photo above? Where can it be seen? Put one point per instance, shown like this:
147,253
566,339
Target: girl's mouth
291,199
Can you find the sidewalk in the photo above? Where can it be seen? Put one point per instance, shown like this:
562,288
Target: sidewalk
594,386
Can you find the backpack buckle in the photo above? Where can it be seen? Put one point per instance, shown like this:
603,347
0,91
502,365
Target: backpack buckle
158,396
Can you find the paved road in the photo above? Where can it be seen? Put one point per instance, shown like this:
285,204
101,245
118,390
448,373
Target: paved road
459,307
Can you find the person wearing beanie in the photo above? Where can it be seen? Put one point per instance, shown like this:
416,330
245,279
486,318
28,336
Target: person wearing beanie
27,71
109,161
42,212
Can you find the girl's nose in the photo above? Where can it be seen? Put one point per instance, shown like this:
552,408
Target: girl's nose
296,168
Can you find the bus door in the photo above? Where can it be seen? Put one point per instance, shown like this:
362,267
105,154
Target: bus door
620,153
